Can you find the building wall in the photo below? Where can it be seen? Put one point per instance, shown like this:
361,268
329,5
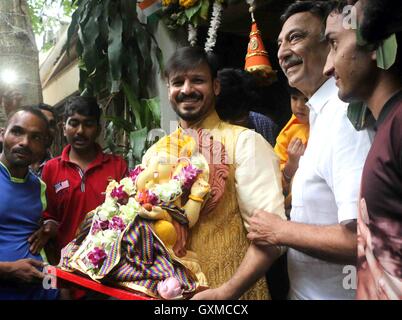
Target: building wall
62,85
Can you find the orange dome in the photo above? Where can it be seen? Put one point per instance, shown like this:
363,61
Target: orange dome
257,60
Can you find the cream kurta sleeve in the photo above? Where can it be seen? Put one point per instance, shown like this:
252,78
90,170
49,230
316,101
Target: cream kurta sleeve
258,178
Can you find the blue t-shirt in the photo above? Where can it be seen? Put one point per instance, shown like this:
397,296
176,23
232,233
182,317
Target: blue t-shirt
22,202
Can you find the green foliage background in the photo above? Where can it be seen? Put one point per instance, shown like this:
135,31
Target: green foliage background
117,56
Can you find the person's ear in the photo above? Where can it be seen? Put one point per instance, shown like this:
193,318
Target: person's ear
217,87
373,55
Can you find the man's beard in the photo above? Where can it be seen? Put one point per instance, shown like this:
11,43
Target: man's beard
195,97
190,116
14,161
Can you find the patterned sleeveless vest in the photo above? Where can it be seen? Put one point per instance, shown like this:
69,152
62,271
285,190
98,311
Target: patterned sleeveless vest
219,237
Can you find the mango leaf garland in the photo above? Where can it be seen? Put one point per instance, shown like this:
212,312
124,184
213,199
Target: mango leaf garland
386,52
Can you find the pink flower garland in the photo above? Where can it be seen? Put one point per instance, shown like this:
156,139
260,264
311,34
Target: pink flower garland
97,256
120,195
187,176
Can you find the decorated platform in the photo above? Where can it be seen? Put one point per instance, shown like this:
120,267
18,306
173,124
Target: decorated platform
68,279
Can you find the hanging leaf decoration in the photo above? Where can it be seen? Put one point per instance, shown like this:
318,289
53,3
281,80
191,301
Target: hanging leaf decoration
386,52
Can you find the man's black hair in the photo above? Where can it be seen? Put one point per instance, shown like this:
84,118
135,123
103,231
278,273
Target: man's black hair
33,109
188,58
320,9
237,94
46,107
85,106
380,20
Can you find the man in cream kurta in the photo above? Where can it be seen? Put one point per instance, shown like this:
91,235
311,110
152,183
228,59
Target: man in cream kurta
254,180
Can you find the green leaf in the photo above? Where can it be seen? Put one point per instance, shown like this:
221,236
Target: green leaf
204,9
109,137
83,79
98,79
386,52
73,27
195,21
146,113
90,33
130,160
115,50
103,25
154,106
85,13
132,70
120,123
193,10
137,143
129,11
181,18
359,115
134,105
159,57
144,46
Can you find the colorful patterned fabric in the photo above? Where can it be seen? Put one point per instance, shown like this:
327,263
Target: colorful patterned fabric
175,212
145,261
137,260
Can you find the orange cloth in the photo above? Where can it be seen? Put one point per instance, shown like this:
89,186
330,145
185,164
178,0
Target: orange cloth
291,130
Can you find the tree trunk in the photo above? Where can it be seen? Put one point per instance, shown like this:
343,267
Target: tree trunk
19,54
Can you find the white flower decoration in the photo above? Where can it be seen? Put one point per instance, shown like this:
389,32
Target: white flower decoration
128,186
112,184
129,211
167,191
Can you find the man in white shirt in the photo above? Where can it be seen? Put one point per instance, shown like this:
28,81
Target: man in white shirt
321,236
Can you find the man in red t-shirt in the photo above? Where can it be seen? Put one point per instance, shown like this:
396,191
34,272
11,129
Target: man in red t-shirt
76,180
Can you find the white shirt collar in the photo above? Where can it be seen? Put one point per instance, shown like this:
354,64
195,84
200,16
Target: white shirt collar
322,95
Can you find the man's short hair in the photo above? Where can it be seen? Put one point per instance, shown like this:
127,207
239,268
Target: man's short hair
380,20
85,106
188,58
237,95
46,107
320,9
33,109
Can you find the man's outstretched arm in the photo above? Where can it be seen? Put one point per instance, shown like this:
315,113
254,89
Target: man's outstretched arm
256,262
334,243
